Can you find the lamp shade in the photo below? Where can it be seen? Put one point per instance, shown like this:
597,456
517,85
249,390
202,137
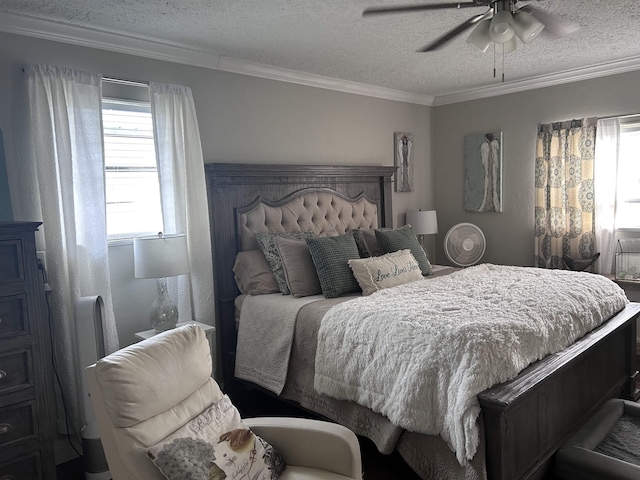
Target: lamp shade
479,37
526,26
158,256
423,222
501,29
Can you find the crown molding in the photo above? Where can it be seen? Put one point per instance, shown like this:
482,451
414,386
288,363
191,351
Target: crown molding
570,76
103,40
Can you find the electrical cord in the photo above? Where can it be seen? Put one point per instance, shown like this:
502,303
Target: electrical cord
53,359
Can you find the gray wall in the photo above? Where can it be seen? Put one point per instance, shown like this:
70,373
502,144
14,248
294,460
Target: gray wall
241,119
510,233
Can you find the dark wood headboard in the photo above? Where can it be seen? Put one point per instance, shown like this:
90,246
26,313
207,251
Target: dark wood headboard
230,187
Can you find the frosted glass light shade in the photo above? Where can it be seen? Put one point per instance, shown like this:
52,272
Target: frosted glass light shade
501,30
423,222
158,256
479,37
508,46
526,26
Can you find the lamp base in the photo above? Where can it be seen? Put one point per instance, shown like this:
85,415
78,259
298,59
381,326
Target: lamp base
164,314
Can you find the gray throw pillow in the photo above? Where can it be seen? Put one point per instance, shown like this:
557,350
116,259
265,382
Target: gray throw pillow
298,267
267,242
394,240
331,257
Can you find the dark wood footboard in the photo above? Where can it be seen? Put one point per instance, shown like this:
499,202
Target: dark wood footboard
527,419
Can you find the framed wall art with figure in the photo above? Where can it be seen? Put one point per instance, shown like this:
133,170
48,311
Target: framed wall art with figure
483,172
403,162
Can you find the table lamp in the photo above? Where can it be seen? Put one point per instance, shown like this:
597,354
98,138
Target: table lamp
161,256
423,222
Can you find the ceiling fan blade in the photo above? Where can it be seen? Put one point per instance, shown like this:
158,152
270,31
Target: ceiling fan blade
451,34
553,25
419,8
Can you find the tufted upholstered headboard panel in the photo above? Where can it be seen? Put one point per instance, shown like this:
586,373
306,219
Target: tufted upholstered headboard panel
317,210
244,199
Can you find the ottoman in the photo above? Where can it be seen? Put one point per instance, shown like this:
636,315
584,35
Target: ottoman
606,447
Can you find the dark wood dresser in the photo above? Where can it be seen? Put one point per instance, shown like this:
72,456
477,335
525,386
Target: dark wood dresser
26,378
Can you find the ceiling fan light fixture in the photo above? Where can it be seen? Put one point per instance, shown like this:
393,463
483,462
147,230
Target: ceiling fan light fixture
526,26
508,46
479,37
501,30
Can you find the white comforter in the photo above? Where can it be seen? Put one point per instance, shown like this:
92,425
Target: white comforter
421,352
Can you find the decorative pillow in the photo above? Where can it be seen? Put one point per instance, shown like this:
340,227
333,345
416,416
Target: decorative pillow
389,270
394,240
362,243
331,256
267,242
298,267
367,243
216,445
253,274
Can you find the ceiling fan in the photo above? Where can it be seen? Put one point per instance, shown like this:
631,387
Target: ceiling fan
501,24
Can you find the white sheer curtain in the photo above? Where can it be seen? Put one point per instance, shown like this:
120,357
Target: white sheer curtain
183,194
58,178
605,179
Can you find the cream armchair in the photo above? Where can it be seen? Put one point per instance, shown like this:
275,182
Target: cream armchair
146,391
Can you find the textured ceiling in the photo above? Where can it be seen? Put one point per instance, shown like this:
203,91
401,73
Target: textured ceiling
331,38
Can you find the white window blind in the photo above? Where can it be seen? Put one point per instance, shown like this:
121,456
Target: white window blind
628,188
132,187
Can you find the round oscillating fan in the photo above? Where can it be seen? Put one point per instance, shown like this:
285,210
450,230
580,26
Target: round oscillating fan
464,244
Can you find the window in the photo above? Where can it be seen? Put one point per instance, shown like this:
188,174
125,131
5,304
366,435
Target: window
628,187
131,173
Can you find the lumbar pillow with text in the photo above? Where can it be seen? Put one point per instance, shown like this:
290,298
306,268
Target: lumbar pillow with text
390,270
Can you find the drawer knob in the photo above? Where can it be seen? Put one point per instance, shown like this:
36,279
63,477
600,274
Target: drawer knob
4,428
2,375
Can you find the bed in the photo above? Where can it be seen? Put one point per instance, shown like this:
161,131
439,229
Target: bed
524,421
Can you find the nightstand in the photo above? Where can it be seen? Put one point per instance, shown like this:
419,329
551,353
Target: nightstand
208,330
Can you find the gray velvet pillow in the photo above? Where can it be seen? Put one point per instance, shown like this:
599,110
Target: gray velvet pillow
298,267
331,257
394,240
267,242
367,243
253,273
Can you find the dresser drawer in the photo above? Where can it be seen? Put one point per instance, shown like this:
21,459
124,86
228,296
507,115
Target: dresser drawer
13,316
11,268
17,422
15,370
23,468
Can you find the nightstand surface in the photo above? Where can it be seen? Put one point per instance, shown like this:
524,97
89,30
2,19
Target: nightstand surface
208,329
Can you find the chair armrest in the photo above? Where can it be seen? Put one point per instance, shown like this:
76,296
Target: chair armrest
311,443
578,463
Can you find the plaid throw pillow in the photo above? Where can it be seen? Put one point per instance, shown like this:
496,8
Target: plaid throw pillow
331,257
394,240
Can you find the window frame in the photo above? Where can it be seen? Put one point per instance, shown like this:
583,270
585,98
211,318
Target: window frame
141,106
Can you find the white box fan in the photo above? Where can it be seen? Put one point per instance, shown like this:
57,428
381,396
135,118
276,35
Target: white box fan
464,244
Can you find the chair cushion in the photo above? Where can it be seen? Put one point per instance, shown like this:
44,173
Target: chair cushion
303,473
134,380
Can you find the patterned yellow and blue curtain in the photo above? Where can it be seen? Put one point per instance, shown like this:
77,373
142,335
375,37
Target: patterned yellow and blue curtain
564,205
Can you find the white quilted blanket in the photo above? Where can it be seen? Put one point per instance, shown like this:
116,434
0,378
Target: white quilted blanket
421,352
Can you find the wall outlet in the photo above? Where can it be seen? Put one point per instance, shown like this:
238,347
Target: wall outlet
42,260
